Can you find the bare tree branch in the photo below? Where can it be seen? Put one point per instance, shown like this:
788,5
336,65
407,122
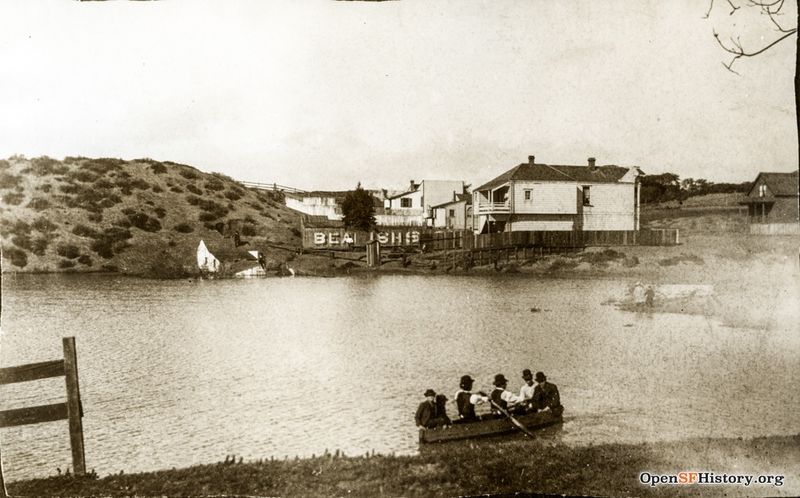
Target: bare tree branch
771,8
710,6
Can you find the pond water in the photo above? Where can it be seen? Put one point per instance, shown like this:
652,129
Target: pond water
174,373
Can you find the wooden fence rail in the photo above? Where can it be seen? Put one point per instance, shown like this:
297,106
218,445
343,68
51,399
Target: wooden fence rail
70,410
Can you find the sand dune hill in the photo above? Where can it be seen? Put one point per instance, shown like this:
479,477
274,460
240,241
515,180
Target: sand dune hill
140,216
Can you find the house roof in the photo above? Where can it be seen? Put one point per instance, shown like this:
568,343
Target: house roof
779,184
458,198
558,173
401,194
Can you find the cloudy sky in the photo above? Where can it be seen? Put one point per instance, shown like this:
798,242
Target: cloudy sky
322,94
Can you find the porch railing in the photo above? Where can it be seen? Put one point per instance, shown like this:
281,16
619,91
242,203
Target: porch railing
494,207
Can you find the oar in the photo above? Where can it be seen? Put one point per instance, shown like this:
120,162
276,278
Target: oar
514,421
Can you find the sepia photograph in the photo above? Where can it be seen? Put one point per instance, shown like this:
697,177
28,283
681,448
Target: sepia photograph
401,248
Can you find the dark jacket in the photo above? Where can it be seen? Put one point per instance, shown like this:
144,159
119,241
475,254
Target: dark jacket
498,400
466,410
426,412
546,395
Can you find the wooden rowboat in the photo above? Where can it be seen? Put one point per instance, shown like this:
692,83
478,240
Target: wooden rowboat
490,427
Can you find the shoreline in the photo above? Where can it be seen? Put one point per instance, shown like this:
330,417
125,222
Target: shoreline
478,467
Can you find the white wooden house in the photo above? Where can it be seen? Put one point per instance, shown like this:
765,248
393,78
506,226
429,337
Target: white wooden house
535,196
455,215
417,202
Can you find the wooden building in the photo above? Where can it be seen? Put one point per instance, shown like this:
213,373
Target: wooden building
536,196
773,204
455,214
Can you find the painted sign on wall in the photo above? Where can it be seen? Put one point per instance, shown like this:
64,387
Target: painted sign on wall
339,238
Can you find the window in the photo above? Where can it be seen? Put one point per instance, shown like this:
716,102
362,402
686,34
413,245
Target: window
587,201
527,194
405,202
452,212
762,190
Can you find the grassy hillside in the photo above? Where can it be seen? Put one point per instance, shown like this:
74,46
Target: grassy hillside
139,217
703,213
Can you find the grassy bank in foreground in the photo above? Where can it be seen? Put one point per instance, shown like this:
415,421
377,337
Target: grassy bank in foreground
540,466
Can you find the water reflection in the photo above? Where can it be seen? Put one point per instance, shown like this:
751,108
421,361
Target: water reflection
176,373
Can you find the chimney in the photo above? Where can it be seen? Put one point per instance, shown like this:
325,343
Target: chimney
412,187
531,160
591,162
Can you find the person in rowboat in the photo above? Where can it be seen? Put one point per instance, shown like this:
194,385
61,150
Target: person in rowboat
427,415
545,395
526,391
466,400
502,398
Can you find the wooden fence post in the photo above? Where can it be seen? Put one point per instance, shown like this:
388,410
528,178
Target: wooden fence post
3,492
74,409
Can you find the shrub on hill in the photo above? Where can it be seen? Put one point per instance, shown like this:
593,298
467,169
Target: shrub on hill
66,263
214,185
18,257
44,225
89,198
110,240
184,228
68,251
127,185
188,174
158,168
249,230
38,204
160,212
43,166
176,189
191,188
23,241
9,181
144,222
85,260
13,198
233,195
84,231
212,208
103,165
82,175
39,245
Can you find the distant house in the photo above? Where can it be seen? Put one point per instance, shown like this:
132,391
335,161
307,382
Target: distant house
455,215
326,203
773,200
536,196
417,201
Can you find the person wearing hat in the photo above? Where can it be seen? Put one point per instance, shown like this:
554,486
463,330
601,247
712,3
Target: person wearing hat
427,415
466,400
545,395
526,391
502,398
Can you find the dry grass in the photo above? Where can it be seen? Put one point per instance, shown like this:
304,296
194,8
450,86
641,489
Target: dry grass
481,467
119,214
